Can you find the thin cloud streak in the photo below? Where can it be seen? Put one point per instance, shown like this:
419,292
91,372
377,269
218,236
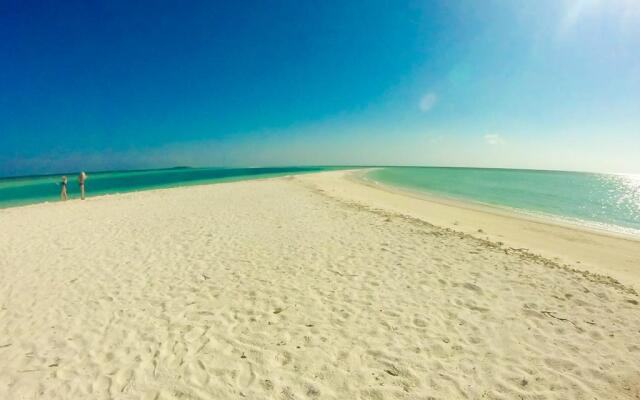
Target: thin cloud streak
625,12
493,139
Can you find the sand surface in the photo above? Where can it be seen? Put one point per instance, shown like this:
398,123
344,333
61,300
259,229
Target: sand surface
296,288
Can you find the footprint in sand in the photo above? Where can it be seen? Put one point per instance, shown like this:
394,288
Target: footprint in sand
473,287
419,322
246,377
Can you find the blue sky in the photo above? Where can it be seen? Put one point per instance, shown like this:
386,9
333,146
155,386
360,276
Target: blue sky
110,85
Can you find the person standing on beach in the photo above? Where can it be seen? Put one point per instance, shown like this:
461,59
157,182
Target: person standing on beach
81,178
63,188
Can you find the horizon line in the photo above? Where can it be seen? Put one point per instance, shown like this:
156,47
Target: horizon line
70,173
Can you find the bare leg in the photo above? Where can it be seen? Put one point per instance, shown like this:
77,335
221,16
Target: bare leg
82,192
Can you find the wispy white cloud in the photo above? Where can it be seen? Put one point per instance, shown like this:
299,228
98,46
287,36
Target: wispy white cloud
625,12
575,10
493,139
428,101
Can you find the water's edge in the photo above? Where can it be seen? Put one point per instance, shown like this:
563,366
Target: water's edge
365,177
29,191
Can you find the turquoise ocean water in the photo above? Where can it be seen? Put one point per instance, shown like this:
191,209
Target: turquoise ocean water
604,201
35,189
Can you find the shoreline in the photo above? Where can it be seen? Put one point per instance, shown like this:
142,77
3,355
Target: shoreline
99,196
606,253
513,212
117,182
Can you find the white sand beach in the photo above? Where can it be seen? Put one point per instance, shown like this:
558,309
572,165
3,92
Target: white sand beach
313,286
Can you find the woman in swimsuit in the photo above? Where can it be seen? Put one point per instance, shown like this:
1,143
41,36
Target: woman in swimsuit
81,179
63,188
